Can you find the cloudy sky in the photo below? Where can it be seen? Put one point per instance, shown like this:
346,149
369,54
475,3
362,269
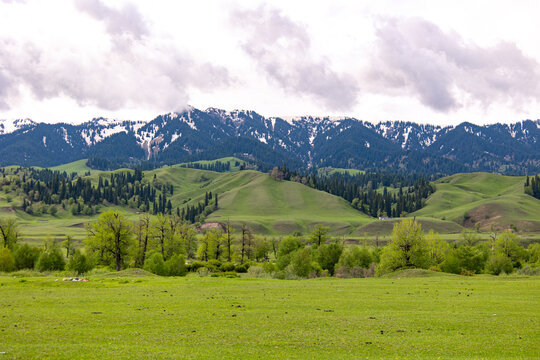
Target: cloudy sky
422,61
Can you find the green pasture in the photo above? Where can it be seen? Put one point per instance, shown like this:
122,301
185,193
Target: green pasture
123,316
487,199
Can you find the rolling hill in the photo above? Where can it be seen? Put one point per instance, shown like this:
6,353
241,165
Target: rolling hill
271,207
486,199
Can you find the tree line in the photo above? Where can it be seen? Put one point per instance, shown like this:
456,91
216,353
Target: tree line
166,245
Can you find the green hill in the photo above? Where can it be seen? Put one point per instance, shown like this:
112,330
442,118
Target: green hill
274,207
486,199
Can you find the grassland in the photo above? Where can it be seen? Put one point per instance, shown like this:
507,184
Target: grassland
441,316
487,199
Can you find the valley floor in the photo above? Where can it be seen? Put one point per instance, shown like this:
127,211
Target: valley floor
140,317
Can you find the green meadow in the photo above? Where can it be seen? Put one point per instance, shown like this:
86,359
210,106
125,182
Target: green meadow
125,316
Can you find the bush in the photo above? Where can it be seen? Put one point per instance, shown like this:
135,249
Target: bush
216,264
499,263
51,260
301,263
196,265
257,271
7,262
327,256
155,264
269,268
469,258
176,266
79,263
227,267
243,268
529,271
26,256
355,257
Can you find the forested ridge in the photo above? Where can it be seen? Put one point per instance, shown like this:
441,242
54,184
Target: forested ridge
45,190
378,194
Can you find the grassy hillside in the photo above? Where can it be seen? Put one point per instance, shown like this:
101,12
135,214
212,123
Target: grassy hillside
78,167
487,199
270,206
247,197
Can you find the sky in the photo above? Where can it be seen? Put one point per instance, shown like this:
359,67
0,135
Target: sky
438,62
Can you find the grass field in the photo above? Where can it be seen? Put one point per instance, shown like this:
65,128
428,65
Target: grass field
128,317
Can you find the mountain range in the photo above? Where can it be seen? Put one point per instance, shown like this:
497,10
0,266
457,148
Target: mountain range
299,142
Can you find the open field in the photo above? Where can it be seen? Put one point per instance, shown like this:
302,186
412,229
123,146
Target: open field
129,317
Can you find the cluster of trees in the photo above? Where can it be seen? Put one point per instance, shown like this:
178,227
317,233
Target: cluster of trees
532,186
44,190
166,245
363,190
217,166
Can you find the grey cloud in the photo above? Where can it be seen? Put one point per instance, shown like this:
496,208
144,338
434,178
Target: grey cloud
127,20
413,55
281,48
142,72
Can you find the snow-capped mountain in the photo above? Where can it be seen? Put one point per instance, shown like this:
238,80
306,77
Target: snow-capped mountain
9,126
300,142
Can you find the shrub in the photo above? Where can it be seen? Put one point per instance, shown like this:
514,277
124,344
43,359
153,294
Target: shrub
499,263
51,260
283,261
243,268
26,256
155,264
355,257
269,268
176,266
529,271
80,263
466,257
216,264
301,263
228,266
257,271
196,265
327,256
7,262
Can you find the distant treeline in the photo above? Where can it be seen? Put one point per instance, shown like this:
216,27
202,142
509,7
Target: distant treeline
216,166
369,192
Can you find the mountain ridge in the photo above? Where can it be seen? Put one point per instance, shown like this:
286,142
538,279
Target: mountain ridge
306,141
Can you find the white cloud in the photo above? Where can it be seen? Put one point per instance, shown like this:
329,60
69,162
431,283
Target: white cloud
416,57
71,60
282,50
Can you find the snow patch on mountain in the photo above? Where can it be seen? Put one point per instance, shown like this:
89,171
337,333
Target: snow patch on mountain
9,126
